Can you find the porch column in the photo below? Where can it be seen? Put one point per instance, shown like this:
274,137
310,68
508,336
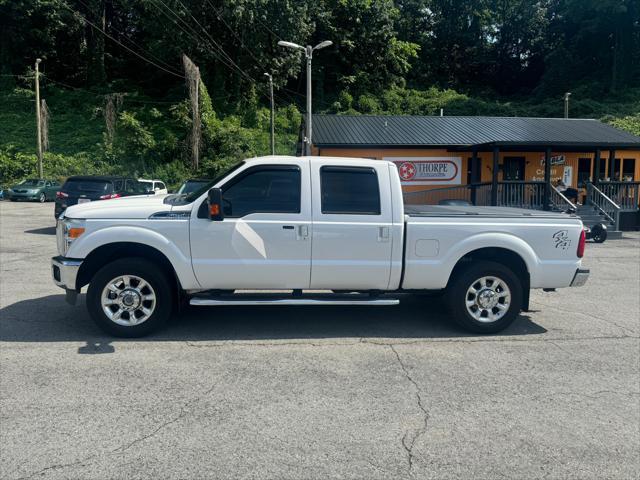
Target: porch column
494,177
474,174
596,169
612,161
546,201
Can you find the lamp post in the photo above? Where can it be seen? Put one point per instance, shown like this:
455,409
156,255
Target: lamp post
308,53
38,119
566,104
273,142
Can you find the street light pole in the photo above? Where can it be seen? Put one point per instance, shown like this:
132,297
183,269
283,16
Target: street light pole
273,142
38,119
566,104
308,52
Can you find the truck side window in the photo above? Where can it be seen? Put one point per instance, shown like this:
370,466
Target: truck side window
268,189
349,190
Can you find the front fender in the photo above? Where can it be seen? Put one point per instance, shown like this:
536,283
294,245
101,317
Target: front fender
179,259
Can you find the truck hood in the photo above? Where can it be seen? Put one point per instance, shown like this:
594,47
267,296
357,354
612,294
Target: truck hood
140,206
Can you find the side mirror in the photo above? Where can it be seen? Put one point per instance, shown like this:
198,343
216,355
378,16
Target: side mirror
214,200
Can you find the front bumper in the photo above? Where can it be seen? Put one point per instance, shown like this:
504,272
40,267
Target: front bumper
22,196
65,271
580,278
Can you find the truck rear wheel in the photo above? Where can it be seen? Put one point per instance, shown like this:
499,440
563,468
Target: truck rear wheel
130,297
485,297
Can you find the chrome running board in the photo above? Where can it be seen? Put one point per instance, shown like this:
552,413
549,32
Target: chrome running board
335,299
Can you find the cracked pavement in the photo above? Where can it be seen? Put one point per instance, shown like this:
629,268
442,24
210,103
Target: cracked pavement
324,392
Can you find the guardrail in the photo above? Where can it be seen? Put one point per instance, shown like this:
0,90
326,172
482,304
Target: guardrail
624,194
604,204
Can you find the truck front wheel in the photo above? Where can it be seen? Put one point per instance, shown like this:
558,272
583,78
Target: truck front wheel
130,297
485,297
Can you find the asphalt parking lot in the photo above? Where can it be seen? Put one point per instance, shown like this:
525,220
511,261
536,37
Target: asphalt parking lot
301,393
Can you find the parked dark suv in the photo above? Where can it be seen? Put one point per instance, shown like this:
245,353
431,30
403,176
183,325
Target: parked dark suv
81,189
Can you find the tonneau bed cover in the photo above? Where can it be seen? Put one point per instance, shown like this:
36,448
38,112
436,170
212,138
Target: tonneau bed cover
462,210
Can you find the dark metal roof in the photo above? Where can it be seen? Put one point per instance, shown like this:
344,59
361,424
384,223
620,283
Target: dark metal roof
393,130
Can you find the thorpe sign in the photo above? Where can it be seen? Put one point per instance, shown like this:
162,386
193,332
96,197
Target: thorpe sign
428,170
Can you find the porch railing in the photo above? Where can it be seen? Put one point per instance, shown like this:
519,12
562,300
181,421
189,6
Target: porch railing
521,194
604,204
434,195
559,201
624,194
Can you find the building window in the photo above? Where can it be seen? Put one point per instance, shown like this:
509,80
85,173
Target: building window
603,169
629,170
584,172
616,170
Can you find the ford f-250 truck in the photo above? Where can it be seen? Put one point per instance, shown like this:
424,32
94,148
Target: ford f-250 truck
294,225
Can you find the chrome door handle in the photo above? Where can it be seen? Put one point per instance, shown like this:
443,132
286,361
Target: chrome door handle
303,232
383,234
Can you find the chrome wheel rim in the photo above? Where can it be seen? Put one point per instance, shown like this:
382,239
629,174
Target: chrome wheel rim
488,299
42,198
128,300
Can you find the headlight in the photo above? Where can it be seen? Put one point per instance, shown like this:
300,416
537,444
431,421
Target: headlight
68,230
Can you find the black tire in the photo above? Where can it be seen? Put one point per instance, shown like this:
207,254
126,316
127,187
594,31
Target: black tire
42,198
456,296
13,199
142,268
599,233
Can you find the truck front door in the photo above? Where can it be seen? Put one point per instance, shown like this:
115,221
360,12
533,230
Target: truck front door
264,240
352,226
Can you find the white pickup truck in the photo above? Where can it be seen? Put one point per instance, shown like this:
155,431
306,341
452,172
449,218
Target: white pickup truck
297,226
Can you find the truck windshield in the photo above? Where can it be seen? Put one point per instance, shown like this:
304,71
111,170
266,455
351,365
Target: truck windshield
184,198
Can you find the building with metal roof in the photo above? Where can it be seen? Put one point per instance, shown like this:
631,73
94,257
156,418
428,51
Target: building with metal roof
419,131
510,161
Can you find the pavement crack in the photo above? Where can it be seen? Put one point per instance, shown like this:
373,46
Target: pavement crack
184,411
409,440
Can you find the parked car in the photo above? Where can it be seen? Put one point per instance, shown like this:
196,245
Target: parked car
35,189
1,193
156,186
253,230
193,184
84,189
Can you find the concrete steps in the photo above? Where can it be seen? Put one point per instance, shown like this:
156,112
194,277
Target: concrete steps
590,216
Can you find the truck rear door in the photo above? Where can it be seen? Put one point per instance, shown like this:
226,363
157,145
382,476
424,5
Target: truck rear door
352,225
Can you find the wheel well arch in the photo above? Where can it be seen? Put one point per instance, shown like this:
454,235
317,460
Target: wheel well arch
109,252
500,255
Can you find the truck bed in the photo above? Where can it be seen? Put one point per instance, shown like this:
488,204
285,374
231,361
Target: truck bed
461,210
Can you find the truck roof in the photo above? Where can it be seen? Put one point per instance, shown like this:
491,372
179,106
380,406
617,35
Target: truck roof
280,158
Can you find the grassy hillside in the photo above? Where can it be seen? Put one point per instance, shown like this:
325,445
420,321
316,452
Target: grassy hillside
151,134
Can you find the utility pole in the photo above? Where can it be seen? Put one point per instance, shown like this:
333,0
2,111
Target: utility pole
273,138
308,53
566,104
38,122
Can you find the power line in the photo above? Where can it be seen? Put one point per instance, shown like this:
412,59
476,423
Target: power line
118,42
159,60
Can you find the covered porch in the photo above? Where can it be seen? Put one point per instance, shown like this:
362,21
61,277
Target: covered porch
601,181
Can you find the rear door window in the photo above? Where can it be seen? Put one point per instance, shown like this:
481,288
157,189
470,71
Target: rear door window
349,191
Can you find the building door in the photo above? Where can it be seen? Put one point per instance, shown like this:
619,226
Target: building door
513,169
478,170
584,172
